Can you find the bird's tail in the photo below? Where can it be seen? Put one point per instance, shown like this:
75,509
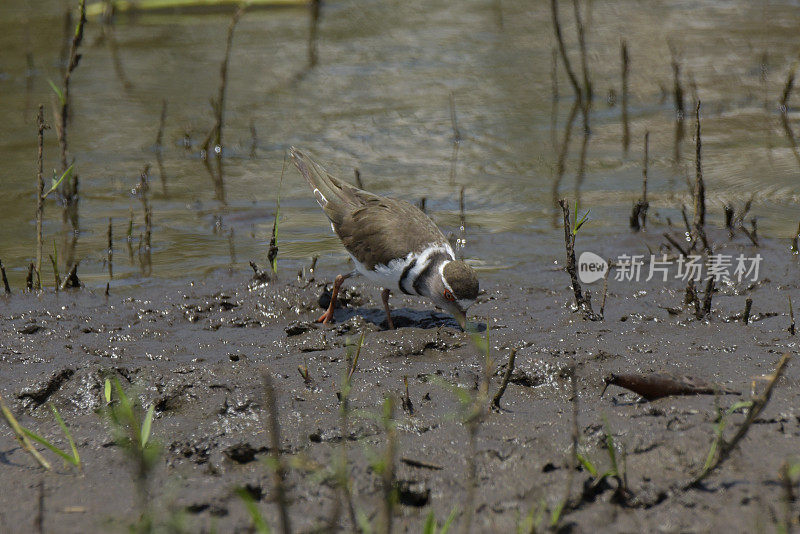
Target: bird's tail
332,195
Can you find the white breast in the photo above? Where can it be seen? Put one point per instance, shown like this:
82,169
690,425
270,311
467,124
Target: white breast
388,276
385,275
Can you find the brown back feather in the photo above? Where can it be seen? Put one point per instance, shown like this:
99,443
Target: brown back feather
373,228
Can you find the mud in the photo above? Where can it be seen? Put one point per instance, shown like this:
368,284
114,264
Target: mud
198,351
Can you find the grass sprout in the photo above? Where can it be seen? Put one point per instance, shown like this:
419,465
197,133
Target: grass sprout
55,182
24,435
259,524
719,429
59,93
131,430
431,525
272,253
71,458
579,222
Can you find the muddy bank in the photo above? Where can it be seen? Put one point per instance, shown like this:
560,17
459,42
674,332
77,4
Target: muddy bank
197,351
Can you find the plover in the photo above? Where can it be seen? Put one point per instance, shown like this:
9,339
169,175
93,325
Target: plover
392,243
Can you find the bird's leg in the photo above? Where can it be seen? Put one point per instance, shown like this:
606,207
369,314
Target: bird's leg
385,297
327,317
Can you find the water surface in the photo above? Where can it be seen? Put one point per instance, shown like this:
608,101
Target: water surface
379,100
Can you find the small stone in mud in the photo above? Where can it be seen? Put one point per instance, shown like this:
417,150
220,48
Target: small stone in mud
299,327
30,329
242,453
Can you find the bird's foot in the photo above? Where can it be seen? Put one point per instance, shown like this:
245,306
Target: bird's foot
326,317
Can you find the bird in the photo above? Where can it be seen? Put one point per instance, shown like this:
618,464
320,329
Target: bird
392,243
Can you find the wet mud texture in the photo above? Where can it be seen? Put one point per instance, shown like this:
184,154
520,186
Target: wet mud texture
198,353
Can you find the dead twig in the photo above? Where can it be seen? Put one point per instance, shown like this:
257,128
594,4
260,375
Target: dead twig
110,249
40,196
674,242
758,404
639,214
791,314
506,377
29,278
582,301
626,135
145,245
748,304
71,280
699,185
160,146
6,287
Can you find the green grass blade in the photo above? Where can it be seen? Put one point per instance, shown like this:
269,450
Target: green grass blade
55,183
39,439
449,522
252,510
107,391
125,409
555,515
587,464
57,91
463,396
71,441
147,424
363,522
430,524
611,448
712,451
739,406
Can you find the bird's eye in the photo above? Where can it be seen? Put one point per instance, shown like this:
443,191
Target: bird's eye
448,295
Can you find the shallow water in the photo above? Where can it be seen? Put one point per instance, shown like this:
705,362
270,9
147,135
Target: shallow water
379,100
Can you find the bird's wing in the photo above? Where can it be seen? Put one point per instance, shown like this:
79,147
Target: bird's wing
373,228
383,229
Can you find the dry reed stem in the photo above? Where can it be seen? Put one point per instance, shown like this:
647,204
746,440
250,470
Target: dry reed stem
6,287
699,187
40,128
748,304
21,437
506,377
758,404
626,135
110,250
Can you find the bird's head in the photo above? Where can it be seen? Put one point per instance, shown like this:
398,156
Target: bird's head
456,289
